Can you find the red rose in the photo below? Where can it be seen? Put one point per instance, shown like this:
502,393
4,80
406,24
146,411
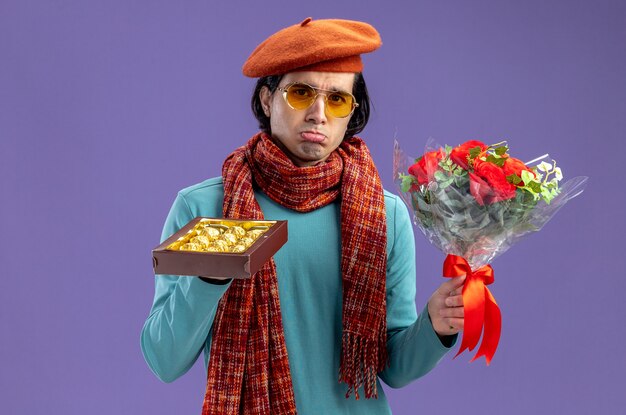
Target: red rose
460,154
515,166
426,167
488,183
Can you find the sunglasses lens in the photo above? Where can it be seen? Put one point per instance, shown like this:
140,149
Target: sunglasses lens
301,96
339,104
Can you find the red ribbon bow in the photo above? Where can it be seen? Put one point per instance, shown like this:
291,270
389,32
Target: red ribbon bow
480,307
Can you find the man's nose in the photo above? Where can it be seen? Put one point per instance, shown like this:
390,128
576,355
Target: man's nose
317,111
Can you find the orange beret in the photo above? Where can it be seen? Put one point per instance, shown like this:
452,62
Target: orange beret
331,45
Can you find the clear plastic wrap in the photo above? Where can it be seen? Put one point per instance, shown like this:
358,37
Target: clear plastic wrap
463,215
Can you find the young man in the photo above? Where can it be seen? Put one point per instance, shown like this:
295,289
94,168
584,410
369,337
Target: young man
334,311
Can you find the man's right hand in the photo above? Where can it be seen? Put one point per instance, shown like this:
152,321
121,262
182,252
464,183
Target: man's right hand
216,280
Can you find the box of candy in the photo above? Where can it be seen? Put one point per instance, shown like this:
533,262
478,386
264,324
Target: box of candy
214,247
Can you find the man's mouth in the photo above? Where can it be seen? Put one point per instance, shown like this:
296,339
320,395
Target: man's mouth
312,136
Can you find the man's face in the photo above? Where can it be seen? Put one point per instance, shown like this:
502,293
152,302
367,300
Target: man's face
307,136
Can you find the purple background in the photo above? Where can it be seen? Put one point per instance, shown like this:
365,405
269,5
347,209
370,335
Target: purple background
108,108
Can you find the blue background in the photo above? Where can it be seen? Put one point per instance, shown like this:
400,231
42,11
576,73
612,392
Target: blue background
108,108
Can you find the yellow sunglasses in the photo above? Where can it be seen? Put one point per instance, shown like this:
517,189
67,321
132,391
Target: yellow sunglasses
300,96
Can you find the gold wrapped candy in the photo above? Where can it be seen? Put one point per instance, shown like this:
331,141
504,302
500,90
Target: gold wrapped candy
201,240
210,232
238,231
229,238
246,241
220,236
176,245
255,233
239,248
220,246
221,228
191,247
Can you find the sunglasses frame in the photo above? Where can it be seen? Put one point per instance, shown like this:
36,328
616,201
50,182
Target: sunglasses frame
317,91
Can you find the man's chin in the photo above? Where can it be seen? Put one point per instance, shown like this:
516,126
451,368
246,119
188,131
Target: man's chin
308,159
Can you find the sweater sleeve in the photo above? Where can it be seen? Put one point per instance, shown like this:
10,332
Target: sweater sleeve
412,344
182,313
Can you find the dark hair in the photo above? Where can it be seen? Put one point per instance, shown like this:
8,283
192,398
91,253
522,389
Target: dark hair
357,123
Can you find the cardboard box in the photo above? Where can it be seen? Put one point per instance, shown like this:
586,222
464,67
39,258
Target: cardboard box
219,264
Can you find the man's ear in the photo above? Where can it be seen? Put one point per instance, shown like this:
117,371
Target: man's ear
266,99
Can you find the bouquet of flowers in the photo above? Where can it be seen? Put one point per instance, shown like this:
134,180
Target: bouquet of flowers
473,202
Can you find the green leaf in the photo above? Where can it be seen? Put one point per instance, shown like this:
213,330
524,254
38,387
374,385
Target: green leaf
513,178
527,177
460,181
501,150
448,149
407,182
446,183
547,196
495,160
440,176
534,186
474,152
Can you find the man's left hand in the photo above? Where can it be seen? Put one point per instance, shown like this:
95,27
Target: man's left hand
445,307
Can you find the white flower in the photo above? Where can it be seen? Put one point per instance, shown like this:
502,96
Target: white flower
544,166
557,173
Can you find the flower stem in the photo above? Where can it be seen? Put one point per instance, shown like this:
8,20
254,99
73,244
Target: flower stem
497,144
548,173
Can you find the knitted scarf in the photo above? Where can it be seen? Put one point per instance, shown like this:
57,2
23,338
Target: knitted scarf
248,371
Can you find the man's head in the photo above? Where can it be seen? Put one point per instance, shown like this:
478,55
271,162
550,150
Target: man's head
275,121
311,93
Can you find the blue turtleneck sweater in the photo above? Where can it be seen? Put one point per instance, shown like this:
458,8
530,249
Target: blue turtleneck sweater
309,281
